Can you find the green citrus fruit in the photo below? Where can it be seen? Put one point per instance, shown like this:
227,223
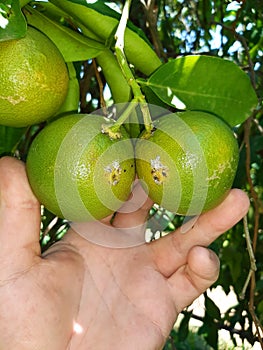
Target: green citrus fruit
189,163
33,80
79,173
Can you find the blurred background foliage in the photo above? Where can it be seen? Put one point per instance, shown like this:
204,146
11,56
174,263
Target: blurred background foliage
232,30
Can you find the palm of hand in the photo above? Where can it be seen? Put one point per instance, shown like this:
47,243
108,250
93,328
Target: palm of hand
94,298
83,296
130,304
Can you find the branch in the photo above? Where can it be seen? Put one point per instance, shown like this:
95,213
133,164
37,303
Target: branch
101,87
254,195
122,26
253,266
150,10
244,334
121,58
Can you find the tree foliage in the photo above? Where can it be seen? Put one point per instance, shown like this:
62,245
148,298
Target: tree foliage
231,30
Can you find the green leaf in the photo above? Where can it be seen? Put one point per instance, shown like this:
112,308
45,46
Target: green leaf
209,330
73,45
12,22
212,336
184,326
95,23
9,137
101,7
205,83
212,309
235,265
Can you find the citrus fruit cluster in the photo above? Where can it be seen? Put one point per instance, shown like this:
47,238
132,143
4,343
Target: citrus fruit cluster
187,165
33,80
78,172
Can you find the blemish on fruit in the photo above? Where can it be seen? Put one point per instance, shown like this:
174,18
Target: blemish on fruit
81,171
14,100
113,173
190,160
158,170
217,173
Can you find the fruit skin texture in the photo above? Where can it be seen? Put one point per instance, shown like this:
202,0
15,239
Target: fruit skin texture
33,80
189,163
79,173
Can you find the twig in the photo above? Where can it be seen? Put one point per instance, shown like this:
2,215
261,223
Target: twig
122,26
150,10
250,182
121,58
259,127
256,226
120,55
244,334
85,84
101,87
258,325
253,266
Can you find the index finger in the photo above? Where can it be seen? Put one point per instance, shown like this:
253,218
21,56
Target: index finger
171,251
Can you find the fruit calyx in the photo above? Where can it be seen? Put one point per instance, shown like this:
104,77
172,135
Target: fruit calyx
159,171
111,131
113,172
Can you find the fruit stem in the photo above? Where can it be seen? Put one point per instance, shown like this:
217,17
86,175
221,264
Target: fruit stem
120,32
121,58
119,50
148,123
113,130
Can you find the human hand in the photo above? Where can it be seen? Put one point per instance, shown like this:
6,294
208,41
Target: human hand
80,295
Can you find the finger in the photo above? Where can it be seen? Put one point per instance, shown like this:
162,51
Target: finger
135,210
192,279
19,211
171,251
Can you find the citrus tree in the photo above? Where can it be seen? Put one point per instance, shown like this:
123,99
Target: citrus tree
163,57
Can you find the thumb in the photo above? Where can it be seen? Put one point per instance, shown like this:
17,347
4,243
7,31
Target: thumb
19,215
